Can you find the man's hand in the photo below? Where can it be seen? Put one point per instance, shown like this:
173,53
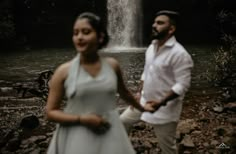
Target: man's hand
155,104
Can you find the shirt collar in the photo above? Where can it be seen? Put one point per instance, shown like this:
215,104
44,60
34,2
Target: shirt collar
169,43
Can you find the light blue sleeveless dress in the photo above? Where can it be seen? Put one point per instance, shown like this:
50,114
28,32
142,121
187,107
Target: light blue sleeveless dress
87,95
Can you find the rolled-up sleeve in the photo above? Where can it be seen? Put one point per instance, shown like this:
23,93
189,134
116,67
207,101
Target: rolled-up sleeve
182,72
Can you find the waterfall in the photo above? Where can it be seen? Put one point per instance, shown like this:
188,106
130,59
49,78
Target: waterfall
124,23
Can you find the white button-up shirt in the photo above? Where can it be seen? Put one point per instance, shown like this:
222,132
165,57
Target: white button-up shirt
167,69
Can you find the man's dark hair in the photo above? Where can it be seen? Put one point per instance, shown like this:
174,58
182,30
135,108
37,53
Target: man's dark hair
173,15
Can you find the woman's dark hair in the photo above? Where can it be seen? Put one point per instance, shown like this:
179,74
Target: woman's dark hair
97,23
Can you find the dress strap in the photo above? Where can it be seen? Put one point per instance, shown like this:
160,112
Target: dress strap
70,83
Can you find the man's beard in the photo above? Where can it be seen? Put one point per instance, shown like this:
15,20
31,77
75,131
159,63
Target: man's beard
159,35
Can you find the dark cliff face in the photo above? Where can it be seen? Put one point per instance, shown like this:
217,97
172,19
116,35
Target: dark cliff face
198,22
49,23
193,24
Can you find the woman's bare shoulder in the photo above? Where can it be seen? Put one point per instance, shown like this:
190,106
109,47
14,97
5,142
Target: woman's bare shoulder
62,71
113,62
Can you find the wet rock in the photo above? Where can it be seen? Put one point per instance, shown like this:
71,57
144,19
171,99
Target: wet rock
206,144
6,138
196,132
36,151
187,152
13,144
141,126
186,126
34,139
43,79
218,109
226,139
185,145
6,90
44,144
187,142
229,94
214,143
29,149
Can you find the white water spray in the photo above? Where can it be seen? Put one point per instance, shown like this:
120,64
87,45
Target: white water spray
124,23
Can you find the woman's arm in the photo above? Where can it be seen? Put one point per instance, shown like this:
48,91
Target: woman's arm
122,90
56,93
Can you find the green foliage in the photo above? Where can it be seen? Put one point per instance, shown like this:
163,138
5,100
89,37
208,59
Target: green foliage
223,16
223,62
223,58
7,26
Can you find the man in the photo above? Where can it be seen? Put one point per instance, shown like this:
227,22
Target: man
166,78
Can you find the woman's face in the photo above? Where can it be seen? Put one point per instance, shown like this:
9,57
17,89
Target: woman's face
85,37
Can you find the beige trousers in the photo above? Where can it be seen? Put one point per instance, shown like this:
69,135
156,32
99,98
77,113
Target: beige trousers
165,133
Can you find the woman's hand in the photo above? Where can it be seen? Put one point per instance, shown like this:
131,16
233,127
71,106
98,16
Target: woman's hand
137,96
95,122
149,107
154,104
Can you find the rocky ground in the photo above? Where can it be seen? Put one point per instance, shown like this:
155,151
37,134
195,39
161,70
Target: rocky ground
207,125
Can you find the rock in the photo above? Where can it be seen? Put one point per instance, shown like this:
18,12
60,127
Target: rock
140,126
214,143
196,132
229,94
13,144
147,144
6,89
231,106
233,132
6,138
36,151
44,144
187,142
218,109
187,152
226,139
186,126
49,134
29,149
232,121
206,144
34,139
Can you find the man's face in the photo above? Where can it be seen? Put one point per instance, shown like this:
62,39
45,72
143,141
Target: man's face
161,27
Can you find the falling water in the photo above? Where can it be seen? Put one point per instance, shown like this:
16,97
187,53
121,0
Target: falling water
124,23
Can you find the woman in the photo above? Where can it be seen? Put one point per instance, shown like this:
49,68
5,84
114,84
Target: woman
89,124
